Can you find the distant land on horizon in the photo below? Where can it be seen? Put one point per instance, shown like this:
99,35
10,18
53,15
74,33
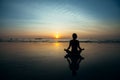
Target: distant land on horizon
58,40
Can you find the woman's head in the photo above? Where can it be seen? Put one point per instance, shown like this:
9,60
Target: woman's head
74,35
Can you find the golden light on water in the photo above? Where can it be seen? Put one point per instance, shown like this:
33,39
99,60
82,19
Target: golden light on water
57,44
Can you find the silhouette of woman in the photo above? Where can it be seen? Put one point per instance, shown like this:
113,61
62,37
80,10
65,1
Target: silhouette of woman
73,57
74,45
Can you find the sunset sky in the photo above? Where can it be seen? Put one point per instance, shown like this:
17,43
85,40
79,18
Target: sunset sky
46,18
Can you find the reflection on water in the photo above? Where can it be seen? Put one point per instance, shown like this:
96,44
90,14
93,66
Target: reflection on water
45,61
57,44
74,62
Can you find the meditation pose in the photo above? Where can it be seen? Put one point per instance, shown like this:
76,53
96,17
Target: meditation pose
73,56
74,45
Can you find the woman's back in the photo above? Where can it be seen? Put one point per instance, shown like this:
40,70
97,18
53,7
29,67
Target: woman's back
75,45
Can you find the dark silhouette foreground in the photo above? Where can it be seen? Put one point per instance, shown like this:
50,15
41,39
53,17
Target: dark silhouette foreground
73,56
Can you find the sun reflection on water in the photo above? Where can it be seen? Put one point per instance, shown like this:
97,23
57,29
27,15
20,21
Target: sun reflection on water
57,44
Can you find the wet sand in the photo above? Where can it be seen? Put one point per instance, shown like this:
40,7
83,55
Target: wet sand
45,61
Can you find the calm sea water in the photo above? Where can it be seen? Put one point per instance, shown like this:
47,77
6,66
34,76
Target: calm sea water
45,61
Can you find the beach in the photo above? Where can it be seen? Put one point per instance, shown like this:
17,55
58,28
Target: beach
45,61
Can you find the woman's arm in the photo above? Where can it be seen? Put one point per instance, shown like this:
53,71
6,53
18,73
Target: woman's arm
79,45
69,45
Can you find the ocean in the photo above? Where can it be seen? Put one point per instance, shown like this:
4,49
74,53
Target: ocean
44,60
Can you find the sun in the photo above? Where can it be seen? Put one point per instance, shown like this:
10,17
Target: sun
57,35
